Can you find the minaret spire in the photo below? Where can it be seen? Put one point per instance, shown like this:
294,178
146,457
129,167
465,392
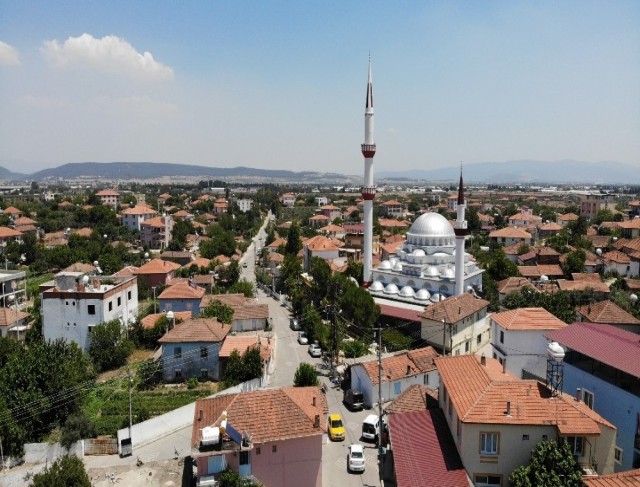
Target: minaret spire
461,231
368,189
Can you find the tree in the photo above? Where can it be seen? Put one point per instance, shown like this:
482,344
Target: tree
294,244
109,348
552,465
67,470
77,427
305,376
575,262
243,287
243,368
233,370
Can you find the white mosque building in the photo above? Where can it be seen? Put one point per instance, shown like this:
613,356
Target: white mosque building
424,270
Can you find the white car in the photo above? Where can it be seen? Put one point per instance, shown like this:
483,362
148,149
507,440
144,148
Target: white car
315,350
355,458
302,338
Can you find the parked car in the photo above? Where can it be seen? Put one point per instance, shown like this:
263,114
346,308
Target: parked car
315,350
293,323
371,427
355,458
335,427
302,338
353,400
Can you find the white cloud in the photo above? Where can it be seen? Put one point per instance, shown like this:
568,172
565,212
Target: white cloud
110,54
8,55
45,102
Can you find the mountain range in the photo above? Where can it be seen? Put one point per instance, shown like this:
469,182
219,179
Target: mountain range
519,172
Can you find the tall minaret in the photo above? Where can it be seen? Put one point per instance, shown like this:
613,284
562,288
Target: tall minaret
368,190
461,231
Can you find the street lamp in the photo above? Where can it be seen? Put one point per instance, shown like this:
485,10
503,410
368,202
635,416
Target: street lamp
171,316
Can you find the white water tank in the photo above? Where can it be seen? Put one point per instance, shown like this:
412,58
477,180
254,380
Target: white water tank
210,435
555,351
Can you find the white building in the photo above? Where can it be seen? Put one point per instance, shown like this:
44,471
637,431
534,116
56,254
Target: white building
132,218
518,338
76,303
245,204
423,270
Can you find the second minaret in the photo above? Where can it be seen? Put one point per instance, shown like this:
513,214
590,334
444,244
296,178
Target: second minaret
368,189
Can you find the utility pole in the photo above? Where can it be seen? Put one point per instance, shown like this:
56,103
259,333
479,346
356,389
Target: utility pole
444,338
333,290
379,332
130,415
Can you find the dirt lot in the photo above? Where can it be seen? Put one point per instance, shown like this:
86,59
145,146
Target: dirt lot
163,473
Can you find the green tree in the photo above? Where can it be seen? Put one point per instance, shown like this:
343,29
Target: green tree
574,262
77,427
109,348
354,348
243,287
64,472
233,370
222,312
305,376
252,363
358,307
552,465
294,244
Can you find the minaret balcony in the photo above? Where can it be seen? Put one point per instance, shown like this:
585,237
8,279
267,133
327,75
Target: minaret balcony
368,150
368,192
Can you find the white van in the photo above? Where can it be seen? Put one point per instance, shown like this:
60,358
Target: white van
371,428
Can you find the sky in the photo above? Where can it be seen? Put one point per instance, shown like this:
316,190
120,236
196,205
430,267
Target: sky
281,85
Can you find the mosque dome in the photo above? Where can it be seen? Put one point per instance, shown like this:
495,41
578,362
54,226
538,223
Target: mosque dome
436,297
418,253
391,289
432,225
431,272
448,274
385,265
397,267
422,295
377,286
407,292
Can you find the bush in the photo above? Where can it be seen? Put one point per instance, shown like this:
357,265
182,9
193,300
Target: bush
305,375
76,427
192,382
354,349
68,470
109,349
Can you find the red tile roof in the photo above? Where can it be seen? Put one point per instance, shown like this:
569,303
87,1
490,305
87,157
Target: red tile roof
9,232
242,343
630,478
510,232
267,415
150,321
401,365
182,290
158,266
454,308
599,287
400,313
416,397
197,330
527,319
607,312
424,452
608,344
513,284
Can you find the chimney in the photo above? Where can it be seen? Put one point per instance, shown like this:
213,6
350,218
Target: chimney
504,365
313,402
408,369
578,394
483,360
200,415
508,408
316,421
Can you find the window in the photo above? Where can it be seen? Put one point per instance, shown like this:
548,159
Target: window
479,338
576,444
487,480
204,353
617,455
128,294
466,346
396,388
178,373
66,303
177,352
459,429
204,373
110,305
587,397
544,437
91,309
489,443
119,301
501,336
525,437
274,448
450,408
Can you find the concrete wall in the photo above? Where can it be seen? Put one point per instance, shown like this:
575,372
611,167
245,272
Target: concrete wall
45,452
523,349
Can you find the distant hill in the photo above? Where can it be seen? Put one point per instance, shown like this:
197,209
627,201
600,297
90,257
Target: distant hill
7,175
525,171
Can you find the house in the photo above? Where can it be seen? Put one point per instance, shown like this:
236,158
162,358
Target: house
156,232
14,323
109,197
157,272
13,212
602,364
321,200
524,219
512,285
566,218
150,321
592,203
244,204
273,435
191,349
399,371
248,315
242,343
181,257
317,221
617,262
132,218
8,235
535,272
288,199
548,229
622,479
25,224
511,236
331,212
319,246
518,339
460,321
75,303
496,420
181,297
609,313
391,208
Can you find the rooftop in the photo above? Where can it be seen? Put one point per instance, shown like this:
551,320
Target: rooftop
402,364
197,330
527,319
607,312
455,308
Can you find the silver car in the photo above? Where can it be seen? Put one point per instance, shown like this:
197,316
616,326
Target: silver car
315,350
302,338
355,458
